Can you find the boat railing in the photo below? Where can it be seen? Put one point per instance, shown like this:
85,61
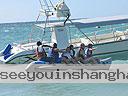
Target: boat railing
113,33
98,36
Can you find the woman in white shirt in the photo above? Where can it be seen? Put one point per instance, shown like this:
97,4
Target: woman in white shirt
67,58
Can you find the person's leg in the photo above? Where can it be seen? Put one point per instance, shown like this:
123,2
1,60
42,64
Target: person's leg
80,60
97,59
91,60
74,61
94,60
59,60
65,60
48,59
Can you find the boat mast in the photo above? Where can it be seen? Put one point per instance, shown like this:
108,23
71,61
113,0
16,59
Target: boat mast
46,11
60,10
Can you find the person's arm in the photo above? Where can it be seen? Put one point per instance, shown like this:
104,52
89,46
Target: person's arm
36,52
61,51
47,46
92,49
55,49
74,53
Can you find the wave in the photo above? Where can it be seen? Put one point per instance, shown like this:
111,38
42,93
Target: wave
6,30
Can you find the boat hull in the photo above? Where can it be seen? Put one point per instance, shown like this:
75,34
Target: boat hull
63,67
101,49
111,47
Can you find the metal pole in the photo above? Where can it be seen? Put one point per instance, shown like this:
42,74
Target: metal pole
41,4
51,4
46,3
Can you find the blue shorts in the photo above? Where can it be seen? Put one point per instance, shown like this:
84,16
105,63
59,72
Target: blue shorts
58,60
47,59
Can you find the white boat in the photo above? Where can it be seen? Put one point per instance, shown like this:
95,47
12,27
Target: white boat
114,42
63,67
39,66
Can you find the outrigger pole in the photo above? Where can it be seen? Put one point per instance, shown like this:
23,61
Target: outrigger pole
41,4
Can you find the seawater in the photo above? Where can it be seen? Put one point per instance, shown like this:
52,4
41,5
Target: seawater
21,32
63,89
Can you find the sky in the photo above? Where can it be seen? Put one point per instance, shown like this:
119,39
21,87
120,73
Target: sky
28,10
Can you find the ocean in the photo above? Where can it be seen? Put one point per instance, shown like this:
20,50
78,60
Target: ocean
63,89
23,32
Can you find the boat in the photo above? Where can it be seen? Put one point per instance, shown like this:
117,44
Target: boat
41,66
104,43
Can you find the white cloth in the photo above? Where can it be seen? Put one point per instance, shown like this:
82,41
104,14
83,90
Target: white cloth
40,49
67,55
85,52
50,52
71,53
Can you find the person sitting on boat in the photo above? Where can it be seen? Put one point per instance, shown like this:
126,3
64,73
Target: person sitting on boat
81,53
72,51
67,58
54,52
88,53
85,56
41,54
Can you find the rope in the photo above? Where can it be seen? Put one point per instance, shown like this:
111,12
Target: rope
41,4
70,35
81,31
46,4
38,17
45,24
51,4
